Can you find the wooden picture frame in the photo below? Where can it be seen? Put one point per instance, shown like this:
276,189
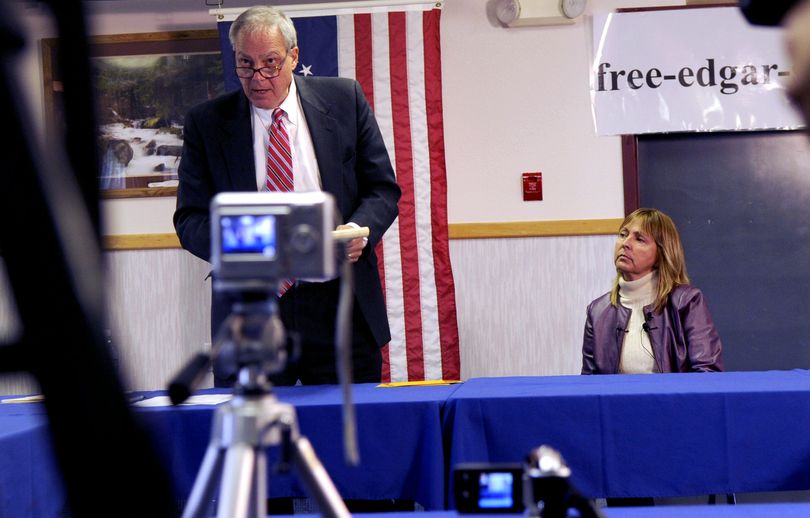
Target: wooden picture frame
144,84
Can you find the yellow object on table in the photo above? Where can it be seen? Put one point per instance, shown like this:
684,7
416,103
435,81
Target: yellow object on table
427,383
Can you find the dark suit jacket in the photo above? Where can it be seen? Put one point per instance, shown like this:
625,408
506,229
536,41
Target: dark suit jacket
352,159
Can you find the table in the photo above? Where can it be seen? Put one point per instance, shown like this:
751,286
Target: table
788,510
628,435
399,435
644,435
30,484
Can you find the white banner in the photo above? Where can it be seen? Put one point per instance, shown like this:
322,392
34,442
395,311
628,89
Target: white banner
688,70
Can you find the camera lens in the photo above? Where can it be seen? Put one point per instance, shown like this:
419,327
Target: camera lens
303,239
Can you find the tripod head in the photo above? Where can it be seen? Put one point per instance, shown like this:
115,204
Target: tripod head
251,345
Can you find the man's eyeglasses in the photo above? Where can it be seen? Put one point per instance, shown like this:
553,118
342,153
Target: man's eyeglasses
265,72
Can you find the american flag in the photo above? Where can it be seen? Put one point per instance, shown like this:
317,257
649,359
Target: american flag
396,58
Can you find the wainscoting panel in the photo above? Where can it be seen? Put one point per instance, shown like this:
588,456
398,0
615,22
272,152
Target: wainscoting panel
159,303
521,307
158,310
521,302
10,330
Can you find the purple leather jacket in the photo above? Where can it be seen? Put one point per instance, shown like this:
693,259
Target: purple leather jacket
683,336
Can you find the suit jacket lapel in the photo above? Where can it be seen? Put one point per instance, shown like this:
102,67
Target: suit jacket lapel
237,144
325,138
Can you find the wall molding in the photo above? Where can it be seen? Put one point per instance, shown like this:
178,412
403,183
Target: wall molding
507,229
140,241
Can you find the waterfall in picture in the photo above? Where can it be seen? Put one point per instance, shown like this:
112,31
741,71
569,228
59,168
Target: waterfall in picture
113,172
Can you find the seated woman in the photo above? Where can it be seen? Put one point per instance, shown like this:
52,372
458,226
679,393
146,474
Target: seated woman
652,320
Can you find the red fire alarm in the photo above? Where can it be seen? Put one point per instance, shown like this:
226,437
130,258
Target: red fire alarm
533,186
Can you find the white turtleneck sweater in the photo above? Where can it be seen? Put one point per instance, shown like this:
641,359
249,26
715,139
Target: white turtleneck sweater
637,354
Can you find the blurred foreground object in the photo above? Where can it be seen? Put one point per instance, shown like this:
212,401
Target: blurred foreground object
766,12
51,250
797,35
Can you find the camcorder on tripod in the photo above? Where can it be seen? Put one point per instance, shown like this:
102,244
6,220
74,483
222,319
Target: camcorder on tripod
258,241
540,487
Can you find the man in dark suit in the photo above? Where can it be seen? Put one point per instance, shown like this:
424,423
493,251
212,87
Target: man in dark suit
335,146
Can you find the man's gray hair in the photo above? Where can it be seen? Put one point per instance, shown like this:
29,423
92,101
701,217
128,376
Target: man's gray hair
263,19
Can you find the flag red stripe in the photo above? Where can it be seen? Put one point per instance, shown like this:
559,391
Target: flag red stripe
362,55
363,73
386,359
397,53
386,365
445,287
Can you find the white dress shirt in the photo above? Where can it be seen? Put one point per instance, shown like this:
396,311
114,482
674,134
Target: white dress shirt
306,174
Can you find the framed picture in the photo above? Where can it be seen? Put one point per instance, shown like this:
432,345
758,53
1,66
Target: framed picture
143,86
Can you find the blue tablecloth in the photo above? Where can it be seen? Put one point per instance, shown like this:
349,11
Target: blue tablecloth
785,510
659,435
399,434
792,510
30,484
644,435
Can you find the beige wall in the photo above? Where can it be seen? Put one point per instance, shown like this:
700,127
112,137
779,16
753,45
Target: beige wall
514,100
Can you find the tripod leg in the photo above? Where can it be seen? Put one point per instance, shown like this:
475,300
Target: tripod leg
260,484
317,480
238,484
204,484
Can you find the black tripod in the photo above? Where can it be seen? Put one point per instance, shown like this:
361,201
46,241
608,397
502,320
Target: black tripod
253,340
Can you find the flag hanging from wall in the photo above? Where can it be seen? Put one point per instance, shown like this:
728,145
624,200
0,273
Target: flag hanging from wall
396,58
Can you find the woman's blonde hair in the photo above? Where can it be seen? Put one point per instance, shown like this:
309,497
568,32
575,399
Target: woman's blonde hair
669,262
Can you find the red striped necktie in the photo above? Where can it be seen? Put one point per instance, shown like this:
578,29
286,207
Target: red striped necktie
279,167
279,155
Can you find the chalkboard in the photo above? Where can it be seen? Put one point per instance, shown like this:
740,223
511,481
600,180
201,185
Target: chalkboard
741,202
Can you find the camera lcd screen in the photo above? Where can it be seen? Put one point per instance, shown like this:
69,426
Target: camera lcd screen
249,234
488,488
495,490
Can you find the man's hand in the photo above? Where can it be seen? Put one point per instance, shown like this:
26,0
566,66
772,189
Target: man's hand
354,248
